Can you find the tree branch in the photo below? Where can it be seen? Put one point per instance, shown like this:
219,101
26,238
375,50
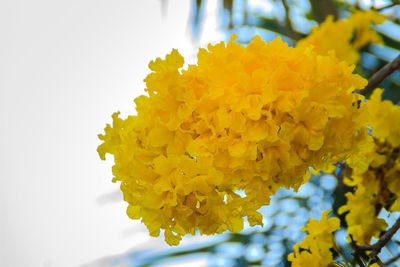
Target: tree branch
322,8
393,260
379,262
395,3
377,247
291,32
380,76
356,252
384,239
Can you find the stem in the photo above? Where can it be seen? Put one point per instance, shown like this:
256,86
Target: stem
365,248
385,238
293,34
322,8
377,247
392,260
380,76
379,262
395,3
356,252
337,249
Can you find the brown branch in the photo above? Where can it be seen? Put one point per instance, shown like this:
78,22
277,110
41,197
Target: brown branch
291,32
393,260
377,247
380,76
395,3
379,262
365,248
356,252
322,8
384,239
358,260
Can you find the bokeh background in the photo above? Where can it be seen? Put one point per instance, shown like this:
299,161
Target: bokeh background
66,66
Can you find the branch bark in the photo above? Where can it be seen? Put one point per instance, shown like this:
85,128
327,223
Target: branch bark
322,8
291,32
356,252
380,76
383,240
393,260
395,3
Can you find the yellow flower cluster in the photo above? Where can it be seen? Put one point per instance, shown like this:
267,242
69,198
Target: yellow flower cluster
315,249
375,173
346,37
363,207
248,118
384,119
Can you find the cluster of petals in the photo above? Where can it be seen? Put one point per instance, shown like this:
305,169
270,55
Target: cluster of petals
248,118
315,249
362,207
376,173
384,119
346,36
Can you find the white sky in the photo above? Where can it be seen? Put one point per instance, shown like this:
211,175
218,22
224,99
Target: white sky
65,67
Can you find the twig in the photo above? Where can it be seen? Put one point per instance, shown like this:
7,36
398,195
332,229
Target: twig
384,239
356,252
377,247
395,3
365,248
337,249
380,76
379,262
392,260
323,8
293,34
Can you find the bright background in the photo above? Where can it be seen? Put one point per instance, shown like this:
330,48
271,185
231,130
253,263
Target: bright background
65,67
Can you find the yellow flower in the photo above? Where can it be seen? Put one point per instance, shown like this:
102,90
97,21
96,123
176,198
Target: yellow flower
376,169
362,220
344,37
248,118
383,115
314,250
361,21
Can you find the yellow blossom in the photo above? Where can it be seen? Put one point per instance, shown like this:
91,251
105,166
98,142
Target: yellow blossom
248,118
376,172
314,250
344,37
362,220
383,119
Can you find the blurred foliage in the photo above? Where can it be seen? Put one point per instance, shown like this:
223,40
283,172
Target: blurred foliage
289,211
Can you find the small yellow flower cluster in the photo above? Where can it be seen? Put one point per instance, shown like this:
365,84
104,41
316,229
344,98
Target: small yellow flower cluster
244,118
363,207
375,173
315,249
384,119
346,37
